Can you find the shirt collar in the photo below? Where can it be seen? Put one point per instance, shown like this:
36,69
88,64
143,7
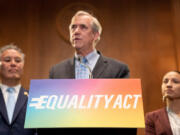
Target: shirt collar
4,87
90,57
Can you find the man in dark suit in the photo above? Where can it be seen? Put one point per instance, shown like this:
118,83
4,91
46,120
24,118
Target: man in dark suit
13,97
85,31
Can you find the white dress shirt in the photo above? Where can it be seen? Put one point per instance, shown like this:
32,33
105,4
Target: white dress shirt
174,120
5,93
92,59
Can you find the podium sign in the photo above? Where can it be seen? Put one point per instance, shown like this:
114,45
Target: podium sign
112,103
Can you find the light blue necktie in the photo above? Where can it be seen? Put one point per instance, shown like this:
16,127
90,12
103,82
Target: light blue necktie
10,102
82,71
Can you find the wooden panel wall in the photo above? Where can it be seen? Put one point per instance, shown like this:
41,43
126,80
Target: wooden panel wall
176,23
145,34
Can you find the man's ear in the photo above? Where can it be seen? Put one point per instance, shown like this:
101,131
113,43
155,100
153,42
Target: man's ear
96,36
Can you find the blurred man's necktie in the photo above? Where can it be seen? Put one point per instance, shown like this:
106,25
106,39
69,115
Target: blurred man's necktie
10,103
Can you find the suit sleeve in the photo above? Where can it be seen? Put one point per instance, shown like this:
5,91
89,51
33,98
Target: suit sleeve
123,71
149,125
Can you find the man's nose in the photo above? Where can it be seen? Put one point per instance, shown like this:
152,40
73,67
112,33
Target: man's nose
13,62
77,30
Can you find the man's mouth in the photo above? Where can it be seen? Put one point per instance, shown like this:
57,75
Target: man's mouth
76,39
13,70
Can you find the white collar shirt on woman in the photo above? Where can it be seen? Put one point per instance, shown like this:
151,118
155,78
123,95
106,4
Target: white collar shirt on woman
174,120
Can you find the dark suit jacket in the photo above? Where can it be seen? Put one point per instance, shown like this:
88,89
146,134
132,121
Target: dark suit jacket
157,123
17,125
104,68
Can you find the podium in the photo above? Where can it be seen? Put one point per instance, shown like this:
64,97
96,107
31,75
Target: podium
101,105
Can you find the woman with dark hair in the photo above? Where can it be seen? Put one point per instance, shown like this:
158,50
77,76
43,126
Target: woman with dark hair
166,121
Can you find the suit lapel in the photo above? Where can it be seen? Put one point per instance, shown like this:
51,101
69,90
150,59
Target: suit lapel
163,118
99,67
21,100
71,68
3,110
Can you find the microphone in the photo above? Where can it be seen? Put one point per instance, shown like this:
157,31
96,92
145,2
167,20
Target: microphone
89,69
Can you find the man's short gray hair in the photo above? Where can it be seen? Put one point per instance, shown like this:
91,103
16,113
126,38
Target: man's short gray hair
11,46
96,26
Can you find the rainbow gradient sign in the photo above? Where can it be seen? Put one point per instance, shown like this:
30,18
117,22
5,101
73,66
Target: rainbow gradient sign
82,103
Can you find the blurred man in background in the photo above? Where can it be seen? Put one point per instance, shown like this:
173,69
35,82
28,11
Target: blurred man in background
13,97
